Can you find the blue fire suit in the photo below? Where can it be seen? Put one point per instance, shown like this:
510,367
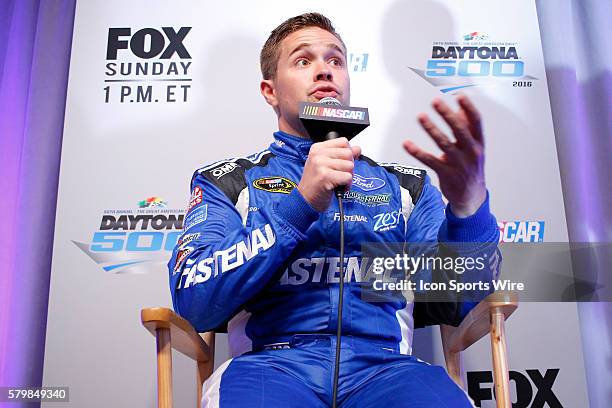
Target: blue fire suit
256,258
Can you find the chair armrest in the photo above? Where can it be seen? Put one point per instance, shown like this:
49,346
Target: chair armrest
477,323
183,336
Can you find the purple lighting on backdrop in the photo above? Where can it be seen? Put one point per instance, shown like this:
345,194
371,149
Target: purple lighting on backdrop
35,38
18,35
579,71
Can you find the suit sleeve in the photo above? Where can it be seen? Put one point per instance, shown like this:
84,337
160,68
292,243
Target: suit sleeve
220,263
435,231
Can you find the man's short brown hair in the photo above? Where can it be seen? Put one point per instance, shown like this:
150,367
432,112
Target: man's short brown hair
268,59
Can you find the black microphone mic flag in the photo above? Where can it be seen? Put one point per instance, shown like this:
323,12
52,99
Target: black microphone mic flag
323,119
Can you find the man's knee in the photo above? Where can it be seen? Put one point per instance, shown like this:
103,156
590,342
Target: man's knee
417,385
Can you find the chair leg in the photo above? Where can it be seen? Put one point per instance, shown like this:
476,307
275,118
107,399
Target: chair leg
164,369
500,359
205,369
453,359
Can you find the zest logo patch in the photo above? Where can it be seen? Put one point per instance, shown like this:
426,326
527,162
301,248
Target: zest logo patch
386,221
274,184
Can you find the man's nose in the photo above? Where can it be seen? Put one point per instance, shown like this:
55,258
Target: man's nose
323,72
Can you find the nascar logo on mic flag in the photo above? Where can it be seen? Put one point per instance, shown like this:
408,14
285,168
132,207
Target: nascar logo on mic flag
321,118
325,111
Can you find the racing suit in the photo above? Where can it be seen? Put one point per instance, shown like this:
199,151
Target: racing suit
256,257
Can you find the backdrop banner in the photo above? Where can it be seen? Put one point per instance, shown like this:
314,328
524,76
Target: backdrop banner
158,89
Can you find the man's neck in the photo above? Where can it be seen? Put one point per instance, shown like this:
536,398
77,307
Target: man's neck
295,130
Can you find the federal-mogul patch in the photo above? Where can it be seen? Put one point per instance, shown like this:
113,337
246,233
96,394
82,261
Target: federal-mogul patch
367,199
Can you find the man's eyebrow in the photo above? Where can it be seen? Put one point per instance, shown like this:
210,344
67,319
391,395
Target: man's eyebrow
303,45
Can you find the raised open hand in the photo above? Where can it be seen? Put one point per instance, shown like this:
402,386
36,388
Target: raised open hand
460,168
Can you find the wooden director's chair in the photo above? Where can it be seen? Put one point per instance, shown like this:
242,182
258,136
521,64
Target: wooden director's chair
172,331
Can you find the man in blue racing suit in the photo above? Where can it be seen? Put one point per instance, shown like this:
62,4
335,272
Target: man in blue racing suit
259,251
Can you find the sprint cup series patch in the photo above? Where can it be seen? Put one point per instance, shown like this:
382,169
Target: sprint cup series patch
274,184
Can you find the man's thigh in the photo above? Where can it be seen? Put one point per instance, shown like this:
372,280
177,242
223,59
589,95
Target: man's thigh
254,383
413,385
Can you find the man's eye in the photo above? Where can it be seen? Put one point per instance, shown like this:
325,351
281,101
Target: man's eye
336,62
302,62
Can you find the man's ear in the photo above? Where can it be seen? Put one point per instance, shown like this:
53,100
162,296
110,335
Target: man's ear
269,92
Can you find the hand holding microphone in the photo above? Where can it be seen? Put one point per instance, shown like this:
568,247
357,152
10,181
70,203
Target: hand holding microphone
329,165
331,159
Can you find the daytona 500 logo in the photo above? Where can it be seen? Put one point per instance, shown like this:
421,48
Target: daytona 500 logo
130,240
453,65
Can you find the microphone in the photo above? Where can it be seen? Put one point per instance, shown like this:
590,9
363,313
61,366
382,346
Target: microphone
329,100
328,119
